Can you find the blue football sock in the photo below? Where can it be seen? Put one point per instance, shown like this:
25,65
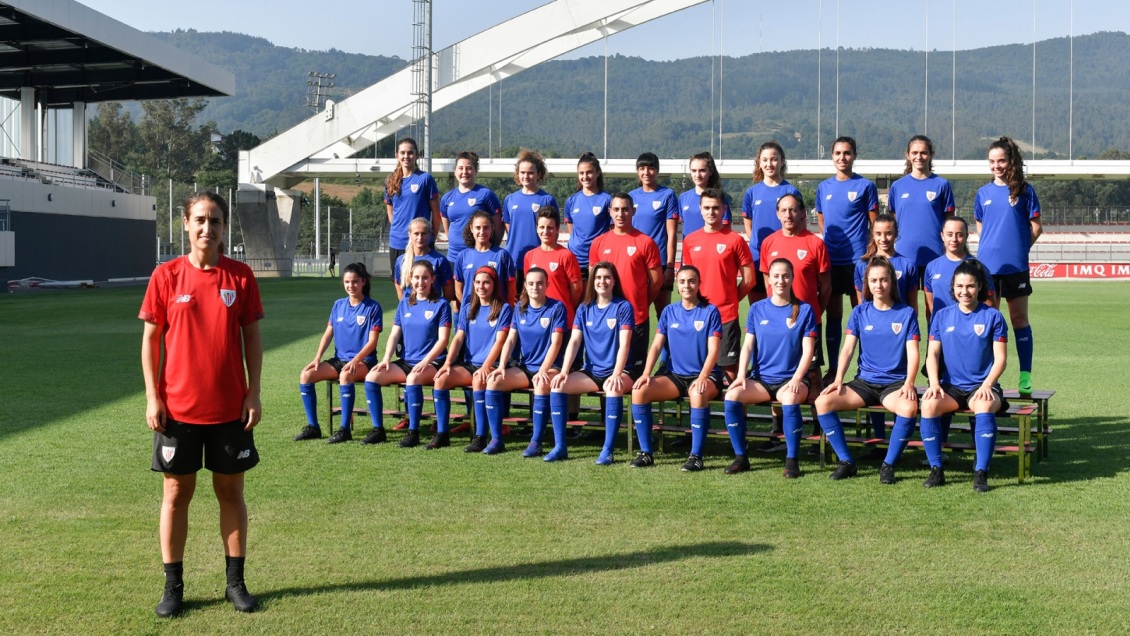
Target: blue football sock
642,418
930,428
613,411
947,422
309,402
879,425
541,411
1024,347
480,398
558,414
833,335
493,404
794,427
735,425
375,401
348,396
700,424
442,400
900,437
834,431
985,438
414,403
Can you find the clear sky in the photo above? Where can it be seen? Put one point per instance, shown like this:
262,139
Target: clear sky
384,27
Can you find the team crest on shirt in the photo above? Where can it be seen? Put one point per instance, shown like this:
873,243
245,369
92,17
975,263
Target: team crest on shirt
611,322
492,323
553,267
428,314
930,195
896,327
898,275
544,322
979,329
535,206
699,324
471,201
800,254
655,205
790,323
415,187
167,452
595,210
721,247
631,250
852,195
228,296
360,320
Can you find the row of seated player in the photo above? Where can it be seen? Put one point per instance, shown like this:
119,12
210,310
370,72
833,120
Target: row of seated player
779,343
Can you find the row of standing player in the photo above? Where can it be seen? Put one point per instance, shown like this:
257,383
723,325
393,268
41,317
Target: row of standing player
695,371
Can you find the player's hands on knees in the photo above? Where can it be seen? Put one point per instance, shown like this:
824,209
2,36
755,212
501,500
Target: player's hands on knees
381,366
558,382
793,386
933,393
698,386
615,384
155,414
908,392
252,411
481,376
419,368
835,388
312,366
642,383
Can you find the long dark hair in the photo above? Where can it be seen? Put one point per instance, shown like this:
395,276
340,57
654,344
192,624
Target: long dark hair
880,262
433,293
392,183
1014,175
715,180
792,295
496,298
758,175
929,148
524,299
972,267
591,159
359,270
872,247
702,300
590,290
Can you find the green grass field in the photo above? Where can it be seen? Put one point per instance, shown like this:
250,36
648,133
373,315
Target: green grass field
353,539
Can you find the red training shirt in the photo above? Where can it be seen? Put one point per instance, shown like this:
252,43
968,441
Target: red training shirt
633,254
719,257
809,257
563,269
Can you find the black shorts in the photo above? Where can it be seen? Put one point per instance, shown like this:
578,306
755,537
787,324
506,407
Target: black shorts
1009,286
759,285
406,366
577,359
637,350
528,373
818,348
338,364
843,280
184,449
772,389
683,382
873,394
730,347
393,254
962,397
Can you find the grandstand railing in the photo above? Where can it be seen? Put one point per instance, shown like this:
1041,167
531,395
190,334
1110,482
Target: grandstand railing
118,174
5,215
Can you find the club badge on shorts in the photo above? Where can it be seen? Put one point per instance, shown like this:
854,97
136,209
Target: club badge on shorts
228,296
167,453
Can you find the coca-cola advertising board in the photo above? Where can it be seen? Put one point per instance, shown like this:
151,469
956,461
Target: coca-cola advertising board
1080,270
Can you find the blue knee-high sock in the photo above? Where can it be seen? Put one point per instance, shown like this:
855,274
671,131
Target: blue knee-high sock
442,400
879,425
833,334
1024,347
834,431
613,411
930,428
493,404
735,425
642,418
558,407
947,421
900,437
541,410
700,423
985,431
375,401
480,398
794,427
348,396
414,402
310,403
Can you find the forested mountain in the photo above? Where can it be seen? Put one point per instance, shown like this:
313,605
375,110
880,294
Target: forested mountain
666,106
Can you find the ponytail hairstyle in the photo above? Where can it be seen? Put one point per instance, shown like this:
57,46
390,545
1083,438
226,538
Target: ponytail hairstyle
360,271
929,148
880,262
758,175
468,236
617,289
433,293
593,162
872,248
392,183
1014,174
496,298
792,295
524,300
702,300
714,180
529,156
409,257
972,267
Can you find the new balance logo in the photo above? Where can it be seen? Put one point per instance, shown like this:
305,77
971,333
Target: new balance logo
184,298
244,454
